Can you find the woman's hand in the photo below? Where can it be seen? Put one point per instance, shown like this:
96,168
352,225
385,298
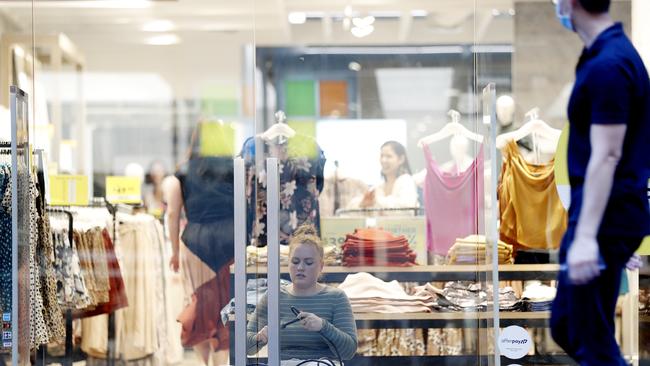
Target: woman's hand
310,322
262,336
368,199
173,263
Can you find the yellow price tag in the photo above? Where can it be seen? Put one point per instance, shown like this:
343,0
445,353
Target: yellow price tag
68,190
216,139
644,249
123,189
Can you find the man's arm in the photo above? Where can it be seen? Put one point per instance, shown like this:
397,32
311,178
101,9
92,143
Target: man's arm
606,150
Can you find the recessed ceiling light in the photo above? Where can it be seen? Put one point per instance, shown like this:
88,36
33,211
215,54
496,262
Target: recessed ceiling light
354,66
158,26
361,32
163,40
419,13
297,17
363,22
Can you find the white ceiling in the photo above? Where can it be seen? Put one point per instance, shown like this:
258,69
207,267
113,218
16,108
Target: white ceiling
265,21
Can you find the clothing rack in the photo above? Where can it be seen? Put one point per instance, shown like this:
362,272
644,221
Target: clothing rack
112,209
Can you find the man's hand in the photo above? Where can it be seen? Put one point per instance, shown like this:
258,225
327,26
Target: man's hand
582,259
634,263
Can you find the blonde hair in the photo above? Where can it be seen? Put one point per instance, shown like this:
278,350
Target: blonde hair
306,234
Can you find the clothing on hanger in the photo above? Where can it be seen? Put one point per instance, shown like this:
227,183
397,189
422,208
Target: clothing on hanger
453,203
531,213
301,165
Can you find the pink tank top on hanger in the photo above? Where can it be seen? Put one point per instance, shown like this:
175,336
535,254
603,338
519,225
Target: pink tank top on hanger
453,203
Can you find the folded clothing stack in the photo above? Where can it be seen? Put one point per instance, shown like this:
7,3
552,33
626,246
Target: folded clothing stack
377,247
539,297
470,297
369,294
259,255
473,250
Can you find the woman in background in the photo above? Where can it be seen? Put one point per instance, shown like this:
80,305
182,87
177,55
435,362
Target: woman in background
398,189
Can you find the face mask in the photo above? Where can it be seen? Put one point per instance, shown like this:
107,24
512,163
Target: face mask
564,19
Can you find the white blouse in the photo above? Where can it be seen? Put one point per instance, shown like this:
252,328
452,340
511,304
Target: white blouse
404,194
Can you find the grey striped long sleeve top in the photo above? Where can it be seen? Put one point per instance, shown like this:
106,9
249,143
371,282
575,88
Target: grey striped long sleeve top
331,305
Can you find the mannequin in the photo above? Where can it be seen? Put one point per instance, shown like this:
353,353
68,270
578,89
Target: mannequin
505,110
460,159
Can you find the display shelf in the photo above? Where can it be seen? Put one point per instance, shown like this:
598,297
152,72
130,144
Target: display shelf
462,360
644,318
507,272
445,320
449,320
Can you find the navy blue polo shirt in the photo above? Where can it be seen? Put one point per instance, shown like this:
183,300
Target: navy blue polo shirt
612,87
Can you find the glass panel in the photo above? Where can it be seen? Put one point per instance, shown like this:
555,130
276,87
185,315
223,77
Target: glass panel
158,96
361,107
17,187
532,90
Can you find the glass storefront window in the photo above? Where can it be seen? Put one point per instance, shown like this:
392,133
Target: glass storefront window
271,182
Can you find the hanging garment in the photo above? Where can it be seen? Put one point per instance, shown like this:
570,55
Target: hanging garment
301,164
532,215
71,286
117,297
453,203
37,324
47,275
5,241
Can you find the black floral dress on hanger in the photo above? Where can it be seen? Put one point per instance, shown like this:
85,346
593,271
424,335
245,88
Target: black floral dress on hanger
301,164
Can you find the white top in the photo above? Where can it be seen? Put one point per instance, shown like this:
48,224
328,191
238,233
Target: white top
404,194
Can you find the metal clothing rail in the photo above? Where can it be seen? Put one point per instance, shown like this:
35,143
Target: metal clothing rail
342,211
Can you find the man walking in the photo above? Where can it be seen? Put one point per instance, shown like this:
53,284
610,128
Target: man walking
609,167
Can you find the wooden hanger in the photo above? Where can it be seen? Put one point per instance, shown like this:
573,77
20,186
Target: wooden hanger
452,128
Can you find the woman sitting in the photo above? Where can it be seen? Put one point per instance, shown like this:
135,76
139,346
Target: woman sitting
325,313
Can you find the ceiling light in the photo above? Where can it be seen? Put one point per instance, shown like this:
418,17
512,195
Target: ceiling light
163,40
496,12
361,32
363,22
297,17
158,26
347,11
354,66
83,4
419,13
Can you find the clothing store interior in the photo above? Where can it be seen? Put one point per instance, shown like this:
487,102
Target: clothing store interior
211,182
